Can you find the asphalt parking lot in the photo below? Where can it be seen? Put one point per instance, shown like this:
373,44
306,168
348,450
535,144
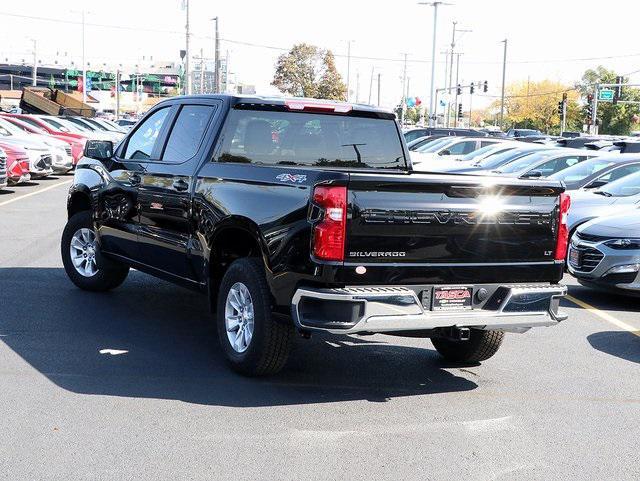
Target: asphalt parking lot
130,385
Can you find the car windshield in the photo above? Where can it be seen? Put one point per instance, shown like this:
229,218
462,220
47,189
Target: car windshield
625,187
526,132
582,170
486,149
80,129
80,123
524,162
502,158
11,128
56,124
25,126
435,145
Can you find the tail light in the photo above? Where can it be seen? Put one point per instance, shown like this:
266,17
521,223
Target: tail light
563,229
24,165
329,232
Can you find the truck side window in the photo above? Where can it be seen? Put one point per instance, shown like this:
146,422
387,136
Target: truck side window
143,140
187,133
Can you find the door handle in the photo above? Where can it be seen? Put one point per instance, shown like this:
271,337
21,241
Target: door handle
180,185
135,179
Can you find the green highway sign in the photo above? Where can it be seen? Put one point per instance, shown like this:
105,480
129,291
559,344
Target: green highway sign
605,94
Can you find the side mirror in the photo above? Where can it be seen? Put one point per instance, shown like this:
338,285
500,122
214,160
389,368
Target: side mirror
594,184
534,174
444,152
101,150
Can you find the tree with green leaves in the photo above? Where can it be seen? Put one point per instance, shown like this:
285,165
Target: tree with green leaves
615,119
331,85
308,71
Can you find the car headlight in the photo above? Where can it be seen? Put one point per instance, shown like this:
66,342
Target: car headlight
623,244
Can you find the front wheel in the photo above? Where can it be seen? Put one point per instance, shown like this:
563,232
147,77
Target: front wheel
81,257
480,346
253,342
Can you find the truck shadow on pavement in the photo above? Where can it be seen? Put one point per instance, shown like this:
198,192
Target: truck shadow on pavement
621,344
151,339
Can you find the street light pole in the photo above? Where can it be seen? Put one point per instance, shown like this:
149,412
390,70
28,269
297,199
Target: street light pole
34,72
348,70
187,71
216,72
432,89
504,74
404,91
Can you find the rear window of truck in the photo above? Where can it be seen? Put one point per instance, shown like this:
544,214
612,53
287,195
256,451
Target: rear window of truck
266,137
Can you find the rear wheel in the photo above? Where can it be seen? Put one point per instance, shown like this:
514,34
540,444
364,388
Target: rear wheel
253,342
82,260
481,346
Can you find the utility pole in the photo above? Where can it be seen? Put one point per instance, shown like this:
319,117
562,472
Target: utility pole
187,71
504,75
453,46
470,106
216,73
594,117
349,70
84,63
455,121
117,94
34,72
404,91
357,86
201,71
378,89
370,85
432,89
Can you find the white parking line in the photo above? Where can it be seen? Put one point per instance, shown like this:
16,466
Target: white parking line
603,315
39,191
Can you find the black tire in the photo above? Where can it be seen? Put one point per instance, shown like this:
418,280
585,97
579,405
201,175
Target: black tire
269,348
110,274
480,346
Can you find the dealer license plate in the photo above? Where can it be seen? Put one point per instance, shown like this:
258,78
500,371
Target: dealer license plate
451,298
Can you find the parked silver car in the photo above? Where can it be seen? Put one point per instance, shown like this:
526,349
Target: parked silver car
613,198
605,253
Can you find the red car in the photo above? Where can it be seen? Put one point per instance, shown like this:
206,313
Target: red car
34,125
17,164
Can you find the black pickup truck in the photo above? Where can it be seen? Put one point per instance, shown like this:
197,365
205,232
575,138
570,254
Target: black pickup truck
300,215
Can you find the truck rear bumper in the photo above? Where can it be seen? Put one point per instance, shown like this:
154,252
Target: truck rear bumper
377,309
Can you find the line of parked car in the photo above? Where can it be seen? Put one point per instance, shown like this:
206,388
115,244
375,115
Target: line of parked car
601,174
36,146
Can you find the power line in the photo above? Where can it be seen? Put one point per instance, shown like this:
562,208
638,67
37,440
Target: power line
284,49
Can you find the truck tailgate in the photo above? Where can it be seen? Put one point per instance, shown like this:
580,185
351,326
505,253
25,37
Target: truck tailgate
417,219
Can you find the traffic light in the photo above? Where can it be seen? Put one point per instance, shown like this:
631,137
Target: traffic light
485,87
617,91
460,111
471,88
560,108
459,90
589,107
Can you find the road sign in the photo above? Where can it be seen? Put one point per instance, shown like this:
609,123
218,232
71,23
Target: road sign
605,94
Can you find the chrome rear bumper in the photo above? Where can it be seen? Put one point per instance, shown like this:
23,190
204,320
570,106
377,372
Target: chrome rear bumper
509,307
